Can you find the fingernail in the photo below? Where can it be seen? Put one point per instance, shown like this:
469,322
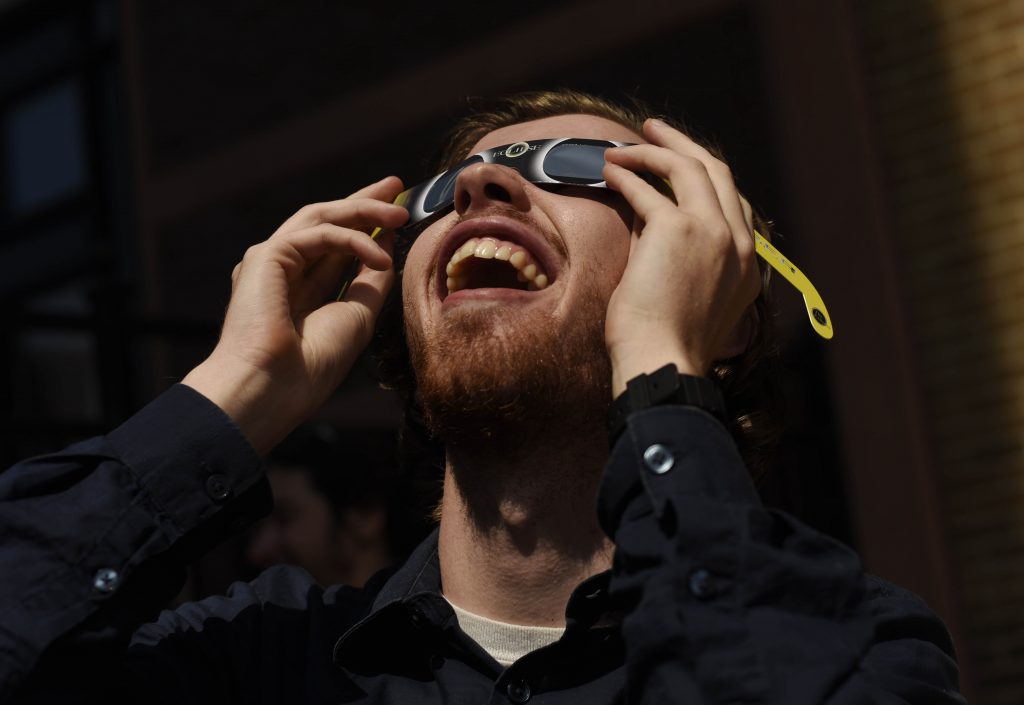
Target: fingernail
656,122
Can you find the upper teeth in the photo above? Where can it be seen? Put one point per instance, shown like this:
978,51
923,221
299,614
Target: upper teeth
489,248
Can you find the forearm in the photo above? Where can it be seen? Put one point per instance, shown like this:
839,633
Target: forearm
96,536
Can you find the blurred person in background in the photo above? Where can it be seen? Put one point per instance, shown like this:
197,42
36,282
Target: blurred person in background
336,509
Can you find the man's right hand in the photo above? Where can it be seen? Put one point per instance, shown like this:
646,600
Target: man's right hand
286,344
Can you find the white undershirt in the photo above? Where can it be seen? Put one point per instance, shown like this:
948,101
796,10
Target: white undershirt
506,643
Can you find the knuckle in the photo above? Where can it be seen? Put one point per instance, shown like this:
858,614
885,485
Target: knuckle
720,169
312,212
745,243
747,254
324,232
251,253
692,162
366,208
721,234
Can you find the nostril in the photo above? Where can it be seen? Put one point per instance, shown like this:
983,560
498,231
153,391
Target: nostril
486,184
497,193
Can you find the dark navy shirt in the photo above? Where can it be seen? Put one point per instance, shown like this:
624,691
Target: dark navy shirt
712,598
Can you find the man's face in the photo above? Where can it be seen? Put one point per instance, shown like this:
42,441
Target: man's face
491,345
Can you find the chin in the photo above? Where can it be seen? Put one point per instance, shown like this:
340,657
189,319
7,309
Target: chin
503,375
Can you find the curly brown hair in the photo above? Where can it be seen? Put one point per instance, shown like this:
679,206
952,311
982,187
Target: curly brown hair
750,381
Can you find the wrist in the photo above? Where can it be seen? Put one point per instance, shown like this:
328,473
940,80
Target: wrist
641,359
665,386
244,394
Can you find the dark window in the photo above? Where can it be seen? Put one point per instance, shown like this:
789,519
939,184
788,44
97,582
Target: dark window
44,149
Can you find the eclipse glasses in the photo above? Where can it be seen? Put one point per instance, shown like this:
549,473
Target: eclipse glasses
574,161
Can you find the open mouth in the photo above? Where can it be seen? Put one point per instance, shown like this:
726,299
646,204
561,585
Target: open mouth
490,263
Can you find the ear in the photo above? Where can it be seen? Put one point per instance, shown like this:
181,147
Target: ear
742,335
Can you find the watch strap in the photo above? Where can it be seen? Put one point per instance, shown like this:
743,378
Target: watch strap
665,386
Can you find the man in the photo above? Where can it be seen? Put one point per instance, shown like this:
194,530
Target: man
710,597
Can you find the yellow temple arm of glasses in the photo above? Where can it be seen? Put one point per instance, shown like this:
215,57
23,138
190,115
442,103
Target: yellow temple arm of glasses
816,311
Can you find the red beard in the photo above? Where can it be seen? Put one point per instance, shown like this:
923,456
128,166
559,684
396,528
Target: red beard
504,378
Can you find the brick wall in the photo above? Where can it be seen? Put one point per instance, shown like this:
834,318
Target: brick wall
945,81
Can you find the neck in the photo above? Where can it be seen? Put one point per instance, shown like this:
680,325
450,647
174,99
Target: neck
518,526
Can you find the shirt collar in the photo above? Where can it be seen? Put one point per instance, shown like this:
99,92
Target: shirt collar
421,573
410,601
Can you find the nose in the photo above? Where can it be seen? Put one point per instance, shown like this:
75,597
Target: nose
480,186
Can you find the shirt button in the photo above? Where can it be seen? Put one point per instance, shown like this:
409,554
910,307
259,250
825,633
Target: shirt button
702,584
217,487
518,691
659,459
106,580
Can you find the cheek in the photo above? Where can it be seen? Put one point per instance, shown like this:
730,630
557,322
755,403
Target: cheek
414,270
420,259
601,243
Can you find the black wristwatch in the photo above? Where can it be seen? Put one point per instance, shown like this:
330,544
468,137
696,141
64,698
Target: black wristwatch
665,386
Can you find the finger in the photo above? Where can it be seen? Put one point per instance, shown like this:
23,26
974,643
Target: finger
644,198
386,240
311,244
325,278
369,289
729,197
748,213
360,308
363,214
313,291
697,204
691,184
310,284
751,255
384,191
748,252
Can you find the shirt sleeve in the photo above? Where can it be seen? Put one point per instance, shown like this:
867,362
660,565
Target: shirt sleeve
727,601
96,537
